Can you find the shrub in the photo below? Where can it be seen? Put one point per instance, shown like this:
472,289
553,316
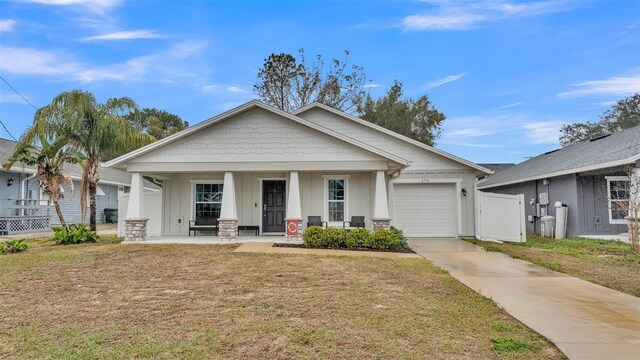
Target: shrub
388,239
358,238
317,237
314,236
13,246
73,234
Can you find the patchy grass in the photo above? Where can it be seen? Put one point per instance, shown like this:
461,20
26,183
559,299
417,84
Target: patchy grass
608,263
196,301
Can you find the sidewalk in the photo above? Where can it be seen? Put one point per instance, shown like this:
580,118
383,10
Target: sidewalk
584,320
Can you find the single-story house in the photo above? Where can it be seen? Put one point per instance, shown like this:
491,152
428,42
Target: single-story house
23,207
257,166
590,177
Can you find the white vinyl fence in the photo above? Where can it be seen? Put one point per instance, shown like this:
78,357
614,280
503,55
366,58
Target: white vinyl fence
501,217
152,210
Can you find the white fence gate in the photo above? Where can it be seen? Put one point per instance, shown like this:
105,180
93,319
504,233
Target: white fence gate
152,210
501,217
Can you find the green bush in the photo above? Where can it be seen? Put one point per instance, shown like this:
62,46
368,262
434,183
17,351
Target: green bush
358,238
382,239
388,239
314,237
73,234
13,246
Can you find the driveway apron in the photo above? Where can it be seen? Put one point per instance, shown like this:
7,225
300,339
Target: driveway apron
584,320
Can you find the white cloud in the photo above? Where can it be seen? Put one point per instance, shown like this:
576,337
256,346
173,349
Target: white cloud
445,80
237,89
543,132
618,85
517,103
98,6
126,35
371,86
462,15
7,25
440,22
605,103
469,132
159,67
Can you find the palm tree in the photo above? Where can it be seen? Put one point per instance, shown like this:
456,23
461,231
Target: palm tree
99,130
49,161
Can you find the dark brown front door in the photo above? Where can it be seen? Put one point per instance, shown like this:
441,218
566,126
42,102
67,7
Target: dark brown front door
273,207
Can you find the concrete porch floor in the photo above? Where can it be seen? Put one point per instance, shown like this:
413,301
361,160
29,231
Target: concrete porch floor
212,240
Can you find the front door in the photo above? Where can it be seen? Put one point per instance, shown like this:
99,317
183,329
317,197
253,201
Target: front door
273,205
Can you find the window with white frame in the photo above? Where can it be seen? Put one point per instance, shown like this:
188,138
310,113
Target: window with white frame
618,195
336,199
208,202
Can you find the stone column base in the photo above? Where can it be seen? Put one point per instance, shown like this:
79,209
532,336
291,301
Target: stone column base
381,224
228,229
135,229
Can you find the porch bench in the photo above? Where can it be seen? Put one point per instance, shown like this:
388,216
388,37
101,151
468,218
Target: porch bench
195,226
254,228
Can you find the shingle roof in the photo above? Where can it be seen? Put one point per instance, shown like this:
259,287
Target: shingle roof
496,166
107,175
616,149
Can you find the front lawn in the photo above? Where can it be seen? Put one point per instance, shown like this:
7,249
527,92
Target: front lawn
608,263
202,301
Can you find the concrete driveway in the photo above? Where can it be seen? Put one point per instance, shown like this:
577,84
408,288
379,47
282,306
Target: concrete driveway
584,320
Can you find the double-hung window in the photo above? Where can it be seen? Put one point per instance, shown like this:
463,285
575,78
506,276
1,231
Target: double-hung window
208,202
618,195
336,199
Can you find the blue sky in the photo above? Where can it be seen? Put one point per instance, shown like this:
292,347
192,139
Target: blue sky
506,73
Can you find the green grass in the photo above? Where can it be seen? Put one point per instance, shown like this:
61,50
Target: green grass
608,263
193,301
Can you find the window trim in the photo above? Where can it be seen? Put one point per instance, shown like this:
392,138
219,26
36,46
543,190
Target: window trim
609,200
193,194
345,178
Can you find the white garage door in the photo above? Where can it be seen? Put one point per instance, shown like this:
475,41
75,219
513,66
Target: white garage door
426,210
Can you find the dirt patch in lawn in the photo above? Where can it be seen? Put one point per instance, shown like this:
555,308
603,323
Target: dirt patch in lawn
198,301
607,263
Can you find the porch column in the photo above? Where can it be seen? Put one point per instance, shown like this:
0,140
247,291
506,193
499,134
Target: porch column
294,208
135,226
380,216
228,221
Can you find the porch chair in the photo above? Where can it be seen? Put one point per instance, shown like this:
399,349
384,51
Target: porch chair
316,221
356,222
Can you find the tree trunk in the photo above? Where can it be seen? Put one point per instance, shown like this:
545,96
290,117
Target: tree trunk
56,205
93,185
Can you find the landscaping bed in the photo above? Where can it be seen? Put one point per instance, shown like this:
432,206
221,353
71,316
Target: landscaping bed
190,301
302,246
604,262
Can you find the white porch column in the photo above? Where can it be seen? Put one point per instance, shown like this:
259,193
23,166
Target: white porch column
380,216
135,226
228,221
294,208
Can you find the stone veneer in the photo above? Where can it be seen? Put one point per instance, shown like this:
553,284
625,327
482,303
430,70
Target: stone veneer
381,224
135,229
227,229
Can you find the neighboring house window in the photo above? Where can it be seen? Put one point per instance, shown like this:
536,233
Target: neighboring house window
336,199
618,195
208,201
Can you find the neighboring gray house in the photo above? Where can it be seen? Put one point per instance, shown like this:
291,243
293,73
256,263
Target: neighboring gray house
19,189
588,176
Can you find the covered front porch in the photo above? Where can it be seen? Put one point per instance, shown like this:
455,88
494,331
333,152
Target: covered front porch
244,206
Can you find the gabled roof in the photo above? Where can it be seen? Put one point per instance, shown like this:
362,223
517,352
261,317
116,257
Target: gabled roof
618,149
107,176
393,134
242,108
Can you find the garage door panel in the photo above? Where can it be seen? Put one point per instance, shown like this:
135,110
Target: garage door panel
426,210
